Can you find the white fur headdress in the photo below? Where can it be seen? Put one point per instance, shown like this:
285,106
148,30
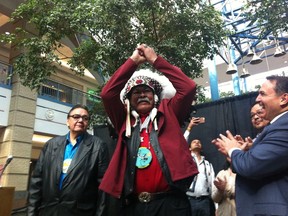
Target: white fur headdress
161,86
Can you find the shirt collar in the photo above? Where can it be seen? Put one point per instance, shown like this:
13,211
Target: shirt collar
278,116
78,139
195,157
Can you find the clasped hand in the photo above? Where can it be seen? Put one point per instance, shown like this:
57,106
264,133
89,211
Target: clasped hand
225,143
144,53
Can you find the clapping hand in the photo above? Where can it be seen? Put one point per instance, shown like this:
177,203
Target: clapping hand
248,142
220,183
226,143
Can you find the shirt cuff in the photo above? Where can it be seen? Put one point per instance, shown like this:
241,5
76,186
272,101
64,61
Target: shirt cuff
231,151
186,135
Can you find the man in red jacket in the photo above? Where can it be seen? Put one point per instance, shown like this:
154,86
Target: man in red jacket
151,168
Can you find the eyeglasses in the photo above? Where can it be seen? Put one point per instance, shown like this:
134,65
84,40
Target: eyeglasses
77,117
258,113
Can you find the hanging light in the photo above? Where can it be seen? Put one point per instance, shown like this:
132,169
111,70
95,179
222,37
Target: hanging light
231,69
256,59
245,73
279,52
250,52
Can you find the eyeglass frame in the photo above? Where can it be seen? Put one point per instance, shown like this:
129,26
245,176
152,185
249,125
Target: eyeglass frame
77,117
258,113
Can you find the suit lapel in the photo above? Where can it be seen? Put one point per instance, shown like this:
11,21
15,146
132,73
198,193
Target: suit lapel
84,147
58,156
262,135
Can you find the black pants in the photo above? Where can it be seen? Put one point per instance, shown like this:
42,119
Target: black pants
170,205
202,206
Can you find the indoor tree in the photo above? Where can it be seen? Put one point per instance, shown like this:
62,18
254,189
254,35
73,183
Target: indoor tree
272,16
184,32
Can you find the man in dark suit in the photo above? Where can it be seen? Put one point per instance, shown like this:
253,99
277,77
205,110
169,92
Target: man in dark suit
68,172
262,171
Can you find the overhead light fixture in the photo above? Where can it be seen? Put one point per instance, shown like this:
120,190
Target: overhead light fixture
245,73
256,59
279,52
231,69
250,52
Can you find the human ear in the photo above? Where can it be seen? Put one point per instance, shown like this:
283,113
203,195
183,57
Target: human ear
284,99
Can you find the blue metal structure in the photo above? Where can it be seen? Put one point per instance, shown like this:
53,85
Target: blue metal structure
246,32
213,80
245,36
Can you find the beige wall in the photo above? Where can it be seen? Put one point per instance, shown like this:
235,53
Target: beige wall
17,136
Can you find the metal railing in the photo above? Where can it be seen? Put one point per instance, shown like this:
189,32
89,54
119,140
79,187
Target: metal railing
53,90
56,91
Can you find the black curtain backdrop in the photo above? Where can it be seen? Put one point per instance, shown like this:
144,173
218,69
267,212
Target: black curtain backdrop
106,133
226,114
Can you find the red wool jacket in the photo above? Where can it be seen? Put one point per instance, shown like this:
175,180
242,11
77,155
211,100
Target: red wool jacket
171,113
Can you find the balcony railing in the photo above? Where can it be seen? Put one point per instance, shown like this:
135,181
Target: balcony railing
55,91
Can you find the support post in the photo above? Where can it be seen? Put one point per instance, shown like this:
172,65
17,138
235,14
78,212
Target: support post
213,78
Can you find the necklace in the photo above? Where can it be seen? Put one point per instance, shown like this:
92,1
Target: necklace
144,155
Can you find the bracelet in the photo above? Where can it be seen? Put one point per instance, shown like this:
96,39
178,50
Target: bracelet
188,128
